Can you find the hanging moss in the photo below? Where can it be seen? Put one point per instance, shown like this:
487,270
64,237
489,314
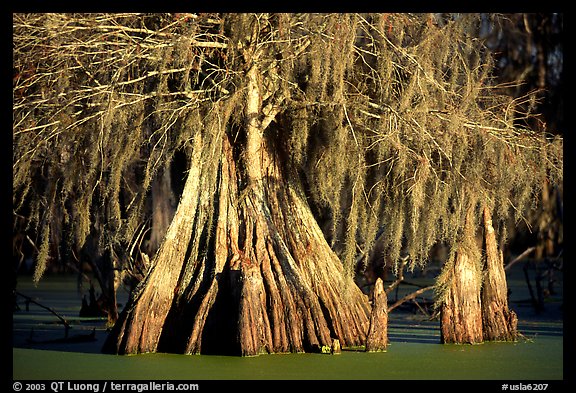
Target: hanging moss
392,120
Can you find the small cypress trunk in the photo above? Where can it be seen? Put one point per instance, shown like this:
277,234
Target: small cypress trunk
461,311
108,299
499,323
461,317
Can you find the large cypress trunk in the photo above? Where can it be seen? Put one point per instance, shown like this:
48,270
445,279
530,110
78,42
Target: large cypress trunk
244,268
265,281
499,323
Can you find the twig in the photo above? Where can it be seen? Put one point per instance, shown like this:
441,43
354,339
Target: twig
422,309
400,275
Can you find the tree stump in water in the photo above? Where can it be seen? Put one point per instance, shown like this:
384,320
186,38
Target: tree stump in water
377,338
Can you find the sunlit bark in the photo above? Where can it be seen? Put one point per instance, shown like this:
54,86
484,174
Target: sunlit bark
265,281
461,312
499,323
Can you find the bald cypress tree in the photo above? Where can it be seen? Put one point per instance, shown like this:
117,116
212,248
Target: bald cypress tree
370,122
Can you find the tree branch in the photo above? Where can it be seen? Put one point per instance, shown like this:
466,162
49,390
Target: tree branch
519,257
410,296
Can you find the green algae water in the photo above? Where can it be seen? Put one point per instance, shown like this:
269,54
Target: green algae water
538,359
414,353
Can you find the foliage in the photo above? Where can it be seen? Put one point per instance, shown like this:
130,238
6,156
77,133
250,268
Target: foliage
392,120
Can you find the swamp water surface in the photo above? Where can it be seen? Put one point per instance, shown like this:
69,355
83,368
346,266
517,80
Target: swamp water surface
414,353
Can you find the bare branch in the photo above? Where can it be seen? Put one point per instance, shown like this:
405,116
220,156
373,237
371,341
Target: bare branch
410,296
519,257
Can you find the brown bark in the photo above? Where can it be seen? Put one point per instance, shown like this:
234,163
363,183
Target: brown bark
243,271
377,339
139,328
461,312
295,296
244,268
461,319
162,209
499,323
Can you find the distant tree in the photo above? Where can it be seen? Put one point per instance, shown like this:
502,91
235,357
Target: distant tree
368,122
529,59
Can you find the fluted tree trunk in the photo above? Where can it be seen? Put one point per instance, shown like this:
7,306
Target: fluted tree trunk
243,270
461,320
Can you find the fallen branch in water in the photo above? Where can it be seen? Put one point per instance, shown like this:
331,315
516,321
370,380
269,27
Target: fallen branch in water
61,318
